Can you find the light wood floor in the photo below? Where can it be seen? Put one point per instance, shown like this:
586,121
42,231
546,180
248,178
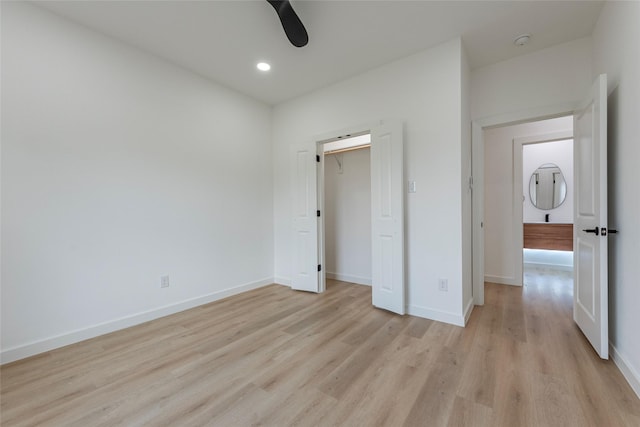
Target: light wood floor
280,358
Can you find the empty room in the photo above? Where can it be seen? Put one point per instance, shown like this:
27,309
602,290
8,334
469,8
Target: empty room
186,239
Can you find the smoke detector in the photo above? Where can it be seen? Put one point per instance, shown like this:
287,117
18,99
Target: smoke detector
522,39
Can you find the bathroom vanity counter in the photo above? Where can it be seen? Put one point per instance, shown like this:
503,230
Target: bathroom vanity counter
546,235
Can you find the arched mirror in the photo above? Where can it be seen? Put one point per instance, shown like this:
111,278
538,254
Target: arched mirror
547,187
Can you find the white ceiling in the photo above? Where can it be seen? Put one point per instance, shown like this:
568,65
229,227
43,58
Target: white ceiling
223,40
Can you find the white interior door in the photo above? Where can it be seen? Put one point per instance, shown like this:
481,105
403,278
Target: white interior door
304,167
590,302
387,217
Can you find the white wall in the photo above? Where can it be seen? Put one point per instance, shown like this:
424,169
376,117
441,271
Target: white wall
422,91
118,168
500,242
559,153
616,44
557,75
348,216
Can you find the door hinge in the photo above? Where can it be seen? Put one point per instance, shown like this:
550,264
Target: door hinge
319,267
318,158
318,212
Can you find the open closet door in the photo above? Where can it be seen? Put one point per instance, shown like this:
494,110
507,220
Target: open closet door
590,292
387,217
304,163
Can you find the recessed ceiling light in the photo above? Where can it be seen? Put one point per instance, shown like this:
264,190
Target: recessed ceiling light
263,66
522,39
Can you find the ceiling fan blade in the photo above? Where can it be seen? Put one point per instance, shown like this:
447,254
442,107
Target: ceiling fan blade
292,25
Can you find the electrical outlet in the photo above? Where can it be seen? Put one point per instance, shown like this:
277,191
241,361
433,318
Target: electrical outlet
164,281
443,285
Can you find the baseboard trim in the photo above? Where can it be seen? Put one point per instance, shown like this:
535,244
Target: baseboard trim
501,280
629,372
348,278
552,266
437,315
47,344
467,311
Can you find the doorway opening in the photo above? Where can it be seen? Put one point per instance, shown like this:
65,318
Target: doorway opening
347,209
590,229
387,213
504,206
548,193
523,207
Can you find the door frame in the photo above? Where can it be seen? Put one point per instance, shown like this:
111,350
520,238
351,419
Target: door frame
478,126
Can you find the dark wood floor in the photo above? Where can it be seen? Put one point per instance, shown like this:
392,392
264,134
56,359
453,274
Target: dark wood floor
278,357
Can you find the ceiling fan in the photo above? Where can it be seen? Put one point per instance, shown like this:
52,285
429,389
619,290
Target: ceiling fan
291,23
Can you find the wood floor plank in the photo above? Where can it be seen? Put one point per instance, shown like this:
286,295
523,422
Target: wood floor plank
418,327
466,413
402,366
436,398
514,405
344,375
276,357
307,407
554,404
477,384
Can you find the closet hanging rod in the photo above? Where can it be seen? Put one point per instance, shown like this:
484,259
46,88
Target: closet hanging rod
343,150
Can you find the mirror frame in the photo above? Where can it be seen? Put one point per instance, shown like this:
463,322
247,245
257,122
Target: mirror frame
531,180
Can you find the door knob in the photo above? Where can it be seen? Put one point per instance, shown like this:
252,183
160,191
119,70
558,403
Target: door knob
596,231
